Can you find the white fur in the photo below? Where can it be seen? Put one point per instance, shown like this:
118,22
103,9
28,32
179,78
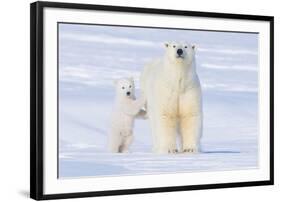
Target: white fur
126,109
174,104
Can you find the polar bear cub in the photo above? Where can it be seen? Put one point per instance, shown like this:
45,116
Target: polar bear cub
126,109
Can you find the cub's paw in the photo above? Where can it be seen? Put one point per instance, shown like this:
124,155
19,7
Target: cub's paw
125,151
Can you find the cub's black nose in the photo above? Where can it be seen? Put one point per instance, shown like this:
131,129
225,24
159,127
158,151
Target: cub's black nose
128,93
179,51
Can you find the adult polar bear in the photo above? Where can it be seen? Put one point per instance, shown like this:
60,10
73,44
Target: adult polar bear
174,102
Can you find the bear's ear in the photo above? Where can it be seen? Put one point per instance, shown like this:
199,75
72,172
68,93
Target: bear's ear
194,47
167,44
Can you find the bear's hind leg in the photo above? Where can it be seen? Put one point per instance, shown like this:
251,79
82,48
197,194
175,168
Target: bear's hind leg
124,148
115,142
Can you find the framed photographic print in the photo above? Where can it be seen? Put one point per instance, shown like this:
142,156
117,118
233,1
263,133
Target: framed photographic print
136,100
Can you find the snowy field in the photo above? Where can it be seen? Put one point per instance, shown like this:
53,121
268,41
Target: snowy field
91,57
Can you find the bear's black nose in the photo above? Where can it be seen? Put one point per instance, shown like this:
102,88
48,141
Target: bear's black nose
128,93
179,51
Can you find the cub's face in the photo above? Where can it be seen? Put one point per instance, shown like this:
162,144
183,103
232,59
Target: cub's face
125,87
180,52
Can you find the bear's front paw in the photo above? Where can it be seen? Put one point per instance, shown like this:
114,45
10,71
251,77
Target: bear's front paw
190,150
173,151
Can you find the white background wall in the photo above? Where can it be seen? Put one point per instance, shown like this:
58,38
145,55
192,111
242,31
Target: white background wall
14,100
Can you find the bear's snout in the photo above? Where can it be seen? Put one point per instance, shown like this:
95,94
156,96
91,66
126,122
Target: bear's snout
128,93
179,51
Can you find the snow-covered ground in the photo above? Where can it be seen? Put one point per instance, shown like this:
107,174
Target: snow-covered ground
91,57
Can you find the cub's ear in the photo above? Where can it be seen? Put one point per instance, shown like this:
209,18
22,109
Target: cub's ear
166,44
131,79
115,82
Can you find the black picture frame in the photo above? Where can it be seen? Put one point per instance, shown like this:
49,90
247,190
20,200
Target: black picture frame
36,98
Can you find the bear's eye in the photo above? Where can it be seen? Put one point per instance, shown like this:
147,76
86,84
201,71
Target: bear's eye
174,46
123,87
130,86
185,47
